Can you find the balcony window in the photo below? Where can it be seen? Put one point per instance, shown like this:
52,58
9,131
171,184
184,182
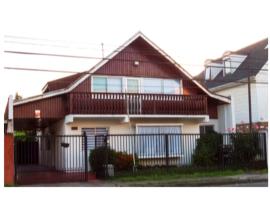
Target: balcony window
132,86
114,85
110,84
99,84
152,85
171,87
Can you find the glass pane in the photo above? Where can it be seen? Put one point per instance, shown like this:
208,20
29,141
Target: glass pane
114,85
152,85
99,84
132,86
171,87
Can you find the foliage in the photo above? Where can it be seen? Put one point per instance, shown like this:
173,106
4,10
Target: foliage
245,147
19,133
18,97
121,160
207,150
124,161
101,156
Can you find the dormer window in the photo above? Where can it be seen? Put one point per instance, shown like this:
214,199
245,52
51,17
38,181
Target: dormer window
227,66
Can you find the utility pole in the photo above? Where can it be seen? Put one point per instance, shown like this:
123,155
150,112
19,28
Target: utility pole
102,50
249,103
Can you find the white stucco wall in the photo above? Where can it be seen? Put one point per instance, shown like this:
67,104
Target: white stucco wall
73,156
262,94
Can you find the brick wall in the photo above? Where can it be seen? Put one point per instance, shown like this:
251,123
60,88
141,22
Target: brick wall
9,159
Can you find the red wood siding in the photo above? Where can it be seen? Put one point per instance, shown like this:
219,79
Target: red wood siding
54,107
189,88
85,86
152,64
212,108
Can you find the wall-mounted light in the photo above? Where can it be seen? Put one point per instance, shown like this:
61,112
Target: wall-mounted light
136,63
37,114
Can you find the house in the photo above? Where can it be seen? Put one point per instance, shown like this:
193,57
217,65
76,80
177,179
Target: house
137,89
228,76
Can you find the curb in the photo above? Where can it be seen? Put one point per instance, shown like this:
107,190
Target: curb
215,181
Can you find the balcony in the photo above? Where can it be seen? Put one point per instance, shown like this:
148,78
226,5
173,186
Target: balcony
136,104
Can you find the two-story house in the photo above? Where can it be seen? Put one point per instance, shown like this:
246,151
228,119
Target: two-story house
137,89
228,76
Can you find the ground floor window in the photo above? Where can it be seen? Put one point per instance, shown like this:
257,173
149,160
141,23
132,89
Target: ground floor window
93,141
206,129
151,141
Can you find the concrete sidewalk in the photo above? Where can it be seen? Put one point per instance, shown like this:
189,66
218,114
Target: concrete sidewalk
183,182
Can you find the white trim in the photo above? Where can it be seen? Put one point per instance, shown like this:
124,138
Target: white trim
70,118
44,88
114,53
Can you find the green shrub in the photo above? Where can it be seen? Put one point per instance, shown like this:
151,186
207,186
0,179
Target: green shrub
121,160
99,157
245,148
207,150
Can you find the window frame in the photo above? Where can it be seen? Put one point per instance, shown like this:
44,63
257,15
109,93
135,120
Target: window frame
178,154
107,77
124,80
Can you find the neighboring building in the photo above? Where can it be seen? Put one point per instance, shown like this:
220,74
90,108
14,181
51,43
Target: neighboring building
136,89
228,76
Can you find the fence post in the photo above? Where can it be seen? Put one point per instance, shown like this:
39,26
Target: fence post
106,156
85,156
265,148
167,150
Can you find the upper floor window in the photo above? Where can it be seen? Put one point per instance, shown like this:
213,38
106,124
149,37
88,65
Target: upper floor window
99,84
107,84
171,86
152,85
112,84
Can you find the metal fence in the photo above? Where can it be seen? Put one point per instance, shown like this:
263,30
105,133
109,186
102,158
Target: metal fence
54,158
144,151
50,158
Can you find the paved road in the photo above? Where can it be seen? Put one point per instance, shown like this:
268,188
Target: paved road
104,184
255,184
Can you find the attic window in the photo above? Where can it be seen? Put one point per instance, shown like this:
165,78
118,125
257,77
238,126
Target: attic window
227,66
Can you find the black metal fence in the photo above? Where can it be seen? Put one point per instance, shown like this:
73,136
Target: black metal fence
54,158
48,159
133,152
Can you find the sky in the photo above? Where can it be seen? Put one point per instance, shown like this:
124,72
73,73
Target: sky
189,31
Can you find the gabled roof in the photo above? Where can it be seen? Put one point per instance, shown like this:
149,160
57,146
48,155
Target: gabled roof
61,83
257,56
85,75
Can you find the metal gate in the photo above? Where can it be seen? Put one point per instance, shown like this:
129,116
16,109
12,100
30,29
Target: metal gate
50,159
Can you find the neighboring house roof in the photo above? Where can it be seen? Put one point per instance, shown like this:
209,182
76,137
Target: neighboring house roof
61,83
71,85
257,56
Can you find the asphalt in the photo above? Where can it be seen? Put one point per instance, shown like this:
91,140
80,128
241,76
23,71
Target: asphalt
246,180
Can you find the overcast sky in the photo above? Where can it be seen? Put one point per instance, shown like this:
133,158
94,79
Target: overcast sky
189,31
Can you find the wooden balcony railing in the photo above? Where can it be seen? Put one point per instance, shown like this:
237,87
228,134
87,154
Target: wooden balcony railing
136,104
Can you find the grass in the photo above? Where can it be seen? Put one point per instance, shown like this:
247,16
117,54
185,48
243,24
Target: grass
171,174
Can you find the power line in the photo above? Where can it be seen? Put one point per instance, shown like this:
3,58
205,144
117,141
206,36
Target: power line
126,51
74,72
118,59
